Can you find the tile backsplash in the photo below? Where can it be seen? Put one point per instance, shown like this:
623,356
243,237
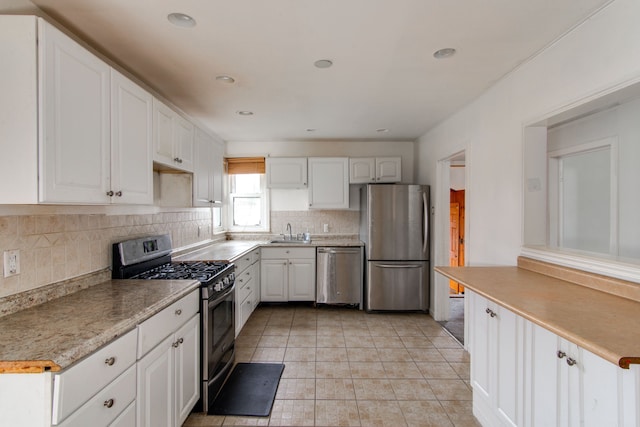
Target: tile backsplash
338,221
57,247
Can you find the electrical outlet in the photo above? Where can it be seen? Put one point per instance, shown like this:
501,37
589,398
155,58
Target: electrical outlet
11,262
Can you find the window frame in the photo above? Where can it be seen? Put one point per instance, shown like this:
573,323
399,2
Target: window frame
264,211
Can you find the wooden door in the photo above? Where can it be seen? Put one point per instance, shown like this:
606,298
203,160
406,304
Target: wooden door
457,219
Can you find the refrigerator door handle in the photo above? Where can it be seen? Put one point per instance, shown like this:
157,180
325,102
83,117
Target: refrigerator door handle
426,222
398,265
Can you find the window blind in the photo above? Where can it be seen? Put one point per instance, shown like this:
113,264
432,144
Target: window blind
245,165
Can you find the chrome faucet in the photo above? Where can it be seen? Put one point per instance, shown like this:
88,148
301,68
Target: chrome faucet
290,233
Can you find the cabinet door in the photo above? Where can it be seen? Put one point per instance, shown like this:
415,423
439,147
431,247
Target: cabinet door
480,347
286,172
328,183
217,171
187,360
183,143
74,113
156,387
362,170
302,280
202,173
388,169
273,280
131,142
162,133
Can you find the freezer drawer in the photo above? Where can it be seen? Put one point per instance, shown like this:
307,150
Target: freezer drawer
397,285
339,275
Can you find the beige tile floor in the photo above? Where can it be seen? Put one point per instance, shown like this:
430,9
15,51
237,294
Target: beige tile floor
344,367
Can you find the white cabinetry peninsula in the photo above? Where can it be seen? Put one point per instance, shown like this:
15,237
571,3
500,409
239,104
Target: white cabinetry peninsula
548,352
286,172
328,183
66,118
363,170
247,286
288,274
169,364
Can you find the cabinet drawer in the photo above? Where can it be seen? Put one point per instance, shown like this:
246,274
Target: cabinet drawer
243,262
288,252
157,328
242,279
255,255
76,385
246,290
105,406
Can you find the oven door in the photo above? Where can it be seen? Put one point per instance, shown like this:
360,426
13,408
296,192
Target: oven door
218,333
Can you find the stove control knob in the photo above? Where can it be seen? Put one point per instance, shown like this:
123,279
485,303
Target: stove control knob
232,277
225,281
218,286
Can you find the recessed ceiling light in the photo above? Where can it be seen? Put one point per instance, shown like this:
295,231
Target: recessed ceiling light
225,79
382,130
181,20
447,52
311,130
323,63
244,113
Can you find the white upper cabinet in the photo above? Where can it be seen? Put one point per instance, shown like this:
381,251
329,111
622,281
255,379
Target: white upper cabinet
208,170
131,142
173,138
286,172
328,183
73,129
363,170
74,122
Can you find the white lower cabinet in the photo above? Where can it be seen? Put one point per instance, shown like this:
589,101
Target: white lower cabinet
524,375
288,274
497,358
169,373
78,402
570,386
247,293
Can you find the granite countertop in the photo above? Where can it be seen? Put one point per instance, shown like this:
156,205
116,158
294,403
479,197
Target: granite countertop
54,335
600,322
232,249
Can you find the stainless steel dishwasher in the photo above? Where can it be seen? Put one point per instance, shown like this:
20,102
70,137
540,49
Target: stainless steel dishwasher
339,275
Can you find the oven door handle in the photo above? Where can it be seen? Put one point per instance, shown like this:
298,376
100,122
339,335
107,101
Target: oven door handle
223,296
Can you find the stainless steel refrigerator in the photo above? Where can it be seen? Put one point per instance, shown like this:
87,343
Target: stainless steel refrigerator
394,225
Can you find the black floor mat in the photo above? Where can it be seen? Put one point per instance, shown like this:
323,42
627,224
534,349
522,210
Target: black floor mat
249,390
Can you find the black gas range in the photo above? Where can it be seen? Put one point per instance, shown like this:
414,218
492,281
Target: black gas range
149,258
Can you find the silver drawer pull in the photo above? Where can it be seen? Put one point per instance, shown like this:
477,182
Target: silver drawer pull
571,361
178,312
109,403
561,354
110,361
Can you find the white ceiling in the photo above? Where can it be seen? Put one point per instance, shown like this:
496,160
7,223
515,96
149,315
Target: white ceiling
384,74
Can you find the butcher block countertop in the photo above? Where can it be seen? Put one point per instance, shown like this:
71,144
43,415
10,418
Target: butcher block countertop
53,335
598,320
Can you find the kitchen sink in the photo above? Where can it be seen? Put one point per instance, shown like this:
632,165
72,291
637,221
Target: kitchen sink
295,242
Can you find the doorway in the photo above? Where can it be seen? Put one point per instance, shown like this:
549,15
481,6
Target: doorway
454,322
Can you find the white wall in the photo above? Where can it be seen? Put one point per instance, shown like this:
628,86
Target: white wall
601,53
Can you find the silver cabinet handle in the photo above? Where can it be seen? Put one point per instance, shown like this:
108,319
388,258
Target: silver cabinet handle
490,312
176,159
110,193
175,344
571,361
181,340
178,312
398,266
561,354
119,193
110,361
426,222
109,403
